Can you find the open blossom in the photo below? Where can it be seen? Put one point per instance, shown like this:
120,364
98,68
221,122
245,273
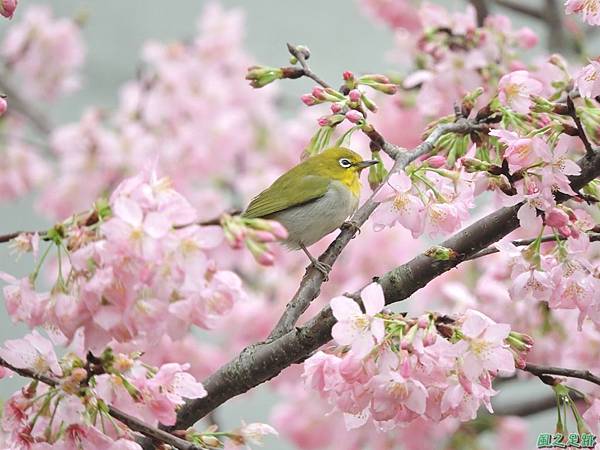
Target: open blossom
522,152
32,352
486,350
400,205
589,10
587,80
354,327
515,88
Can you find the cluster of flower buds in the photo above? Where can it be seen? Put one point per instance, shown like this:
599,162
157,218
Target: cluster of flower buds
392,370
255,234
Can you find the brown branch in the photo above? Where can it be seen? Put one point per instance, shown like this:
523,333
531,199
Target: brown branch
572,112
261,362
594,237
130,421
541,371
301,54
482,10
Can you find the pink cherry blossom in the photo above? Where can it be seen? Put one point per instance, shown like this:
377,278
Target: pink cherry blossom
354,327
515,89
589,10
587,80
32,352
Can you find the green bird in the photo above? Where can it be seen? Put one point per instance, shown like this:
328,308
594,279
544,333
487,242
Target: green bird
313,198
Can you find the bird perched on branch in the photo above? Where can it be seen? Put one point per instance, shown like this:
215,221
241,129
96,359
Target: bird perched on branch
313,198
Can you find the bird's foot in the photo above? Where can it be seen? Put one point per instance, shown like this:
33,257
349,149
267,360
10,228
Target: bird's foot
351,225
322,267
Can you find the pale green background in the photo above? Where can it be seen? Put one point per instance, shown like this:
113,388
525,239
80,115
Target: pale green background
339,36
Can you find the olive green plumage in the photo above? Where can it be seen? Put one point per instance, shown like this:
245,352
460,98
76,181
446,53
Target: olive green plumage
313,198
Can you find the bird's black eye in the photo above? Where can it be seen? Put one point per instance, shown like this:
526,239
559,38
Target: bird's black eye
345,163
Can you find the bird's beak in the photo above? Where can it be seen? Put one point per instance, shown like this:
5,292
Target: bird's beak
364,164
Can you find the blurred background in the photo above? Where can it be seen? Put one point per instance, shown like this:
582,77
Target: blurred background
341,37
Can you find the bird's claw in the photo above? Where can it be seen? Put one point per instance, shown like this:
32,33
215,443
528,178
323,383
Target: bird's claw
351,225
322,267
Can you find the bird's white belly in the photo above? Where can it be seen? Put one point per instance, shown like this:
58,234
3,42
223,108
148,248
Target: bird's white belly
308,223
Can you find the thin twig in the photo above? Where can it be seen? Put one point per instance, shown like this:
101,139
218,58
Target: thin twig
300,56
132,422
594,237
580,130
540,371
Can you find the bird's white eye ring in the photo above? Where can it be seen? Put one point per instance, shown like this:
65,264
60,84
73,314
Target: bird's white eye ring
345,163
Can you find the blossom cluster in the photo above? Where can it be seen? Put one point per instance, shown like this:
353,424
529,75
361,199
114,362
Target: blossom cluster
141,271
45,53
393,370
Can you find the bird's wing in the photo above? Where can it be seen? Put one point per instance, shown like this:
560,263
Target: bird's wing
286,192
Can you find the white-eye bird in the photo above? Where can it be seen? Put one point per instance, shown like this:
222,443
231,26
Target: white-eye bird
313,198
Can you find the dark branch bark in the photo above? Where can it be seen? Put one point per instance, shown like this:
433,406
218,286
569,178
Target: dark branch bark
539,371
261,362
482,10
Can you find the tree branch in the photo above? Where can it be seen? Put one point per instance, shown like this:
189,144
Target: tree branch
261,362
482,10
302,56
540,371
130,421
572,111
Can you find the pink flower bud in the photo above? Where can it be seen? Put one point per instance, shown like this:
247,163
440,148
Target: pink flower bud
336,108
278,230
405,368
262,236
567,232
423,321
557,218
318,92
3,106
527,38
323,121
261,253
520,362
308,100
348,75
429,339
436,161
354,95
354,116
7,8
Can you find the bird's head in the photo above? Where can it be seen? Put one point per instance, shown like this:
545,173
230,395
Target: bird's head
341,163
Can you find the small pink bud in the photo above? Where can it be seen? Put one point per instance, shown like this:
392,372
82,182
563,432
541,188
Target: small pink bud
354,116
465,383
323,121
348,75
336,108
405,368
567,232
354,95
319,93
526,38
436,161
278,230
520,362
557,218
429,339
261,253
7,8
265,259
308,100
405,345
423,321
3,106
262,236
